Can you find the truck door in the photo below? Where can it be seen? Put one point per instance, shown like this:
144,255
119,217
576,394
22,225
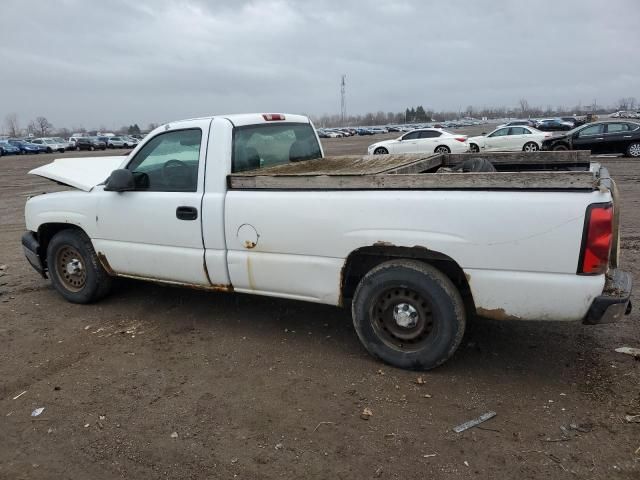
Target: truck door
155,231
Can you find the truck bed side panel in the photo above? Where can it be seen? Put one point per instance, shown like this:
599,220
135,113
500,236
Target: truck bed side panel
516,244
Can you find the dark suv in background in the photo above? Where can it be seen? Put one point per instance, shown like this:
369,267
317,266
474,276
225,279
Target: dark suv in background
90,143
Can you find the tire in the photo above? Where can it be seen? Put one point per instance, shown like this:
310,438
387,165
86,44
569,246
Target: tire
560,148
633,150
442,149
473,148
77,149
49,150
430,299
91,148
380,151
530,147
73,249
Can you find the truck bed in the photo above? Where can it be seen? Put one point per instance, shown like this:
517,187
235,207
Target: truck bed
566,170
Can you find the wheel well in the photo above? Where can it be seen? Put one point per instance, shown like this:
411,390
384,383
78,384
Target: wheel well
443,145
46,232
362,260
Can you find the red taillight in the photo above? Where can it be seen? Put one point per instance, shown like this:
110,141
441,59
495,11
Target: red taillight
461,139
270,117
597,239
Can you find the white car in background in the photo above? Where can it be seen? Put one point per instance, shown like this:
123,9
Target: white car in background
424,140
509,139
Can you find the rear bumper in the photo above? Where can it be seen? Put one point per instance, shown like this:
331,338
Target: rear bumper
31,248
615,301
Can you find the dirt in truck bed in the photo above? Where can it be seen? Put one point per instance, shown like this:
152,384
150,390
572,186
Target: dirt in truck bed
163,382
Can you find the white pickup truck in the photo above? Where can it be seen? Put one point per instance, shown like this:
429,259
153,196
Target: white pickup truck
415,246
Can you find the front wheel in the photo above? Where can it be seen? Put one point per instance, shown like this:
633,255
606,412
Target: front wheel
530,147
408,314
560,148
473,148
74,268
634,150
380,151
442,149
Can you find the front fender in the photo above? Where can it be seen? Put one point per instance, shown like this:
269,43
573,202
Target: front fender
72,207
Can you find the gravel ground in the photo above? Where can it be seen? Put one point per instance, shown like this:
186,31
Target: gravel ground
162,382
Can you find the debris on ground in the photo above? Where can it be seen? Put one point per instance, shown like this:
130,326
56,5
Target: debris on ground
634,352
279,446
420,381
429,455
581,427
632,418
3,268
378,472
366,413
37,412
86,425
19,395
174,435
475,422
426,395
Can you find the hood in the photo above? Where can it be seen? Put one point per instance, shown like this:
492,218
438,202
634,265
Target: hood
82,173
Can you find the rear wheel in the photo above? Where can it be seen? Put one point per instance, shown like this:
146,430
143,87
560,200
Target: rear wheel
74,268
474,148
634,150
408,314
530,147
442,149
560,148
380,151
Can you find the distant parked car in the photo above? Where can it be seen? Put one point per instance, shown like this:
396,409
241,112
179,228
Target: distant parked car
509,139
428,140
130,142
518,123
553,125
600,137
90,143
365,131
7,148
50,144
25,147
68,145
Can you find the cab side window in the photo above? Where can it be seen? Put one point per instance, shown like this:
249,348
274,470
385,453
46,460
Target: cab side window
168,162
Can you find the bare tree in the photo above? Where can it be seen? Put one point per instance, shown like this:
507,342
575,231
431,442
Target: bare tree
32,128
12,125
152,126
43,126
524,106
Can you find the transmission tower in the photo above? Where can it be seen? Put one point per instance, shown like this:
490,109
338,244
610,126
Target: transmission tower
343,99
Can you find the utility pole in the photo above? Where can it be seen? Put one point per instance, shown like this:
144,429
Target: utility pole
343,99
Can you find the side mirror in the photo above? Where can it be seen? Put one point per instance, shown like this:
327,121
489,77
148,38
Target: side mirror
120,180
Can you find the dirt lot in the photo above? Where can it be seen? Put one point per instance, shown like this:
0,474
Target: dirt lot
263,388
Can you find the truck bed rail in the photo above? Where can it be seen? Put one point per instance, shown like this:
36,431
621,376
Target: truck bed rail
515,171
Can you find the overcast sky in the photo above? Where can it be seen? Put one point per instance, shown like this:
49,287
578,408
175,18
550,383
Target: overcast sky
111,62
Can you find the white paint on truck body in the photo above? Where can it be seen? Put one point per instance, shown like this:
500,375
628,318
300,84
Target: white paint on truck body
518,249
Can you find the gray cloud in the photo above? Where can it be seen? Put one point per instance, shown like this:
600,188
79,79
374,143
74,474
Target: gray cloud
86,62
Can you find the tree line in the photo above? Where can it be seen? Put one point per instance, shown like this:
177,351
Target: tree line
417,114
41,127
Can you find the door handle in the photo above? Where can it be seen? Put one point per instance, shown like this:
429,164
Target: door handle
187,213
